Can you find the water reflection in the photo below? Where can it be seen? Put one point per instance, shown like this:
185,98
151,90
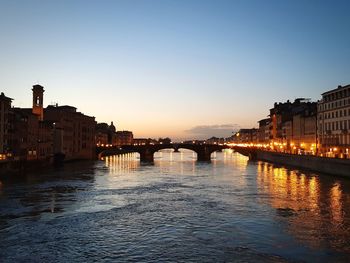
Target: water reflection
314,208
176,210
123,163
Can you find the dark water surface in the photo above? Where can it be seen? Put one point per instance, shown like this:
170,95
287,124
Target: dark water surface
177,210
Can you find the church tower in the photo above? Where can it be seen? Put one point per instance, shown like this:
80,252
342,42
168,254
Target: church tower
38,98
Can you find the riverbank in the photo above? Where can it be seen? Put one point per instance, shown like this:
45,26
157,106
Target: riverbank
332,166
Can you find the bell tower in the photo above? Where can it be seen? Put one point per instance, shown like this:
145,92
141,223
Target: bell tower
38,98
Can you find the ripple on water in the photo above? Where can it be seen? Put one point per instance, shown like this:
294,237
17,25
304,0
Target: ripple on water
176,211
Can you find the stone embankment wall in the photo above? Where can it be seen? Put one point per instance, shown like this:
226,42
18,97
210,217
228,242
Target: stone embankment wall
332,166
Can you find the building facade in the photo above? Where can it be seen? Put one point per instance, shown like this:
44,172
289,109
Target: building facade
5,108
264,131
334,122
124,138
105,134
74,132
293,126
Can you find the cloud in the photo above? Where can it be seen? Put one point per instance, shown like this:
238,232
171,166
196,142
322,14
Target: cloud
217,130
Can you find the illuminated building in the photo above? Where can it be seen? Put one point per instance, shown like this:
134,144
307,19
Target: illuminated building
334,122
144,141
245,136
264,130
293,126
215,140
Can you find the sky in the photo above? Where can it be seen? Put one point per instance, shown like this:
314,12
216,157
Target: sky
173,68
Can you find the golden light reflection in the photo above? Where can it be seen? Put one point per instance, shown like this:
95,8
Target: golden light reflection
336,204
311,207
1,186
123,163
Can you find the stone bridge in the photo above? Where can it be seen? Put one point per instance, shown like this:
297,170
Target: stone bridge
146,152
246,151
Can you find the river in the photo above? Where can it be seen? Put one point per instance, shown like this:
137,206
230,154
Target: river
176,210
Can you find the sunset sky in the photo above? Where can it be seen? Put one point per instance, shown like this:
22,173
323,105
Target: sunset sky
177,68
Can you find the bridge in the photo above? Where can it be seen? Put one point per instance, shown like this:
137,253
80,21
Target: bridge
146,152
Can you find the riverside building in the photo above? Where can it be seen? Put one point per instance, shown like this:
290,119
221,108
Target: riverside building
293,126
74,132
334,122
5,107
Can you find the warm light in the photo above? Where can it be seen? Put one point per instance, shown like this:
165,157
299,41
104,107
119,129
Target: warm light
335,149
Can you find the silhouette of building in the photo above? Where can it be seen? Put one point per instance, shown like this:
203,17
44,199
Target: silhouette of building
334,122
101,134
31,138
105,134
38,100
5,107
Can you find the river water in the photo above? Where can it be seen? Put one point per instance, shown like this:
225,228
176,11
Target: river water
177,210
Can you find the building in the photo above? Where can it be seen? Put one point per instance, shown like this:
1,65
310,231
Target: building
105,134
74,132
30,138
144,141
264,131
246,136
293,126
124,138
5,107
334,122
38,101
215,140
304,131
102,134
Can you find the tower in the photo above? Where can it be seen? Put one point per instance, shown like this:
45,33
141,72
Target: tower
38,98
